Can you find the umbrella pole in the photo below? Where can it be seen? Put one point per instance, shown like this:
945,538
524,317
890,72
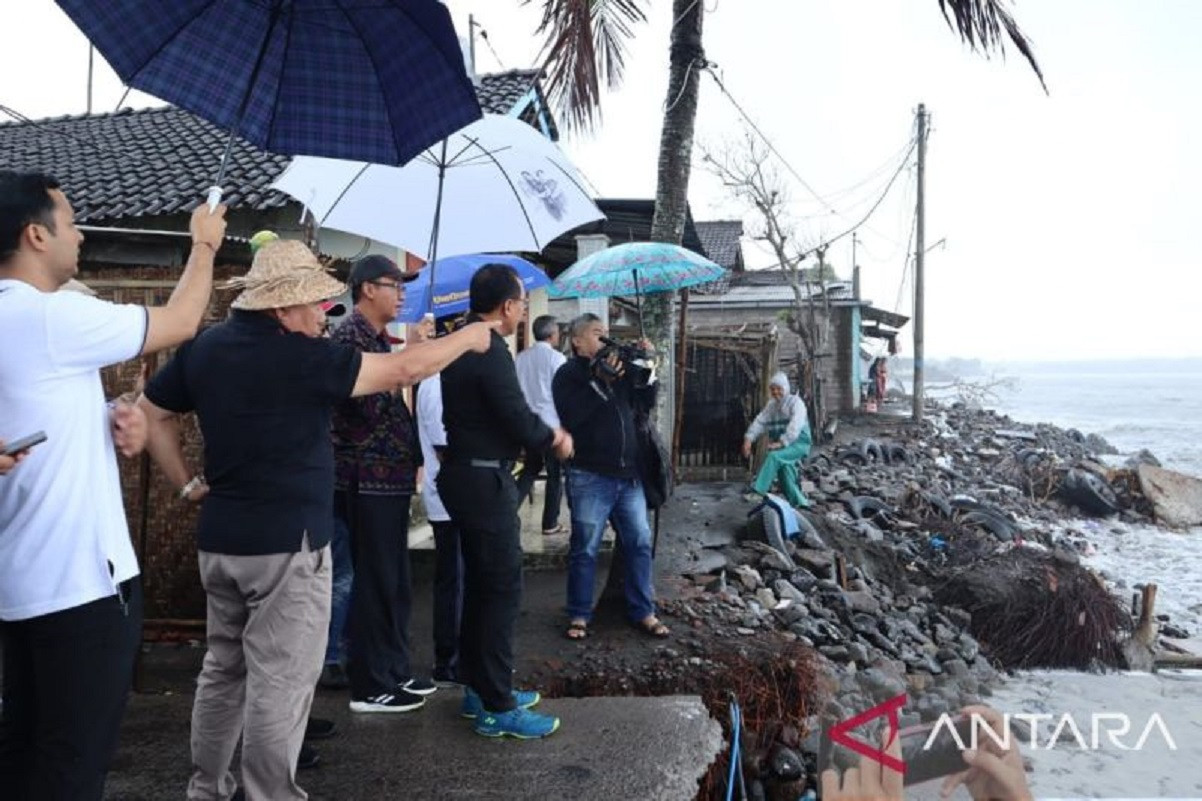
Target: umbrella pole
442,174
638,302
215,192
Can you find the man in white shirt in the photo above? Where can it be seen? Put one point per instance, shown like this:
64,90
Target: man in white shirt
448,558
70,599
536,366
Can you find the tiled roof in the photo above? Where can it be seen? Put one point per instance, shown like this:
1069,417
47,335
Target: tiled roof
720,238
158,161
499,92
139,163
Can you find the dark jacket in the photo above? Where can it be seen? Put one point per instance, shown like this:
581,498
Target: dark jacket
600,417
484,410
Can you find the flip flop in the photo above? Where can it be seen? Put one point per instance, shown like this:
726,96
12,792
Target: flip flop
653,627
577,630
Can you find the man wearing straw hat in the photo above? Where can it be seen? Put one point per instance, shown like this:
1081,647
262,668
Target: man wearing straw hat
263,384
70,595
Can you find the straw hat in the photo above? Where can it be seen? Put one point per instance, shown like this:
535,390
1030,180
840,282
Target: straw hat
284,273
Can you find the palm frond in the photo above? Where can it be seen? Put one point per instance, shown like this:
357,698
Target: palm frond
984,25
585,40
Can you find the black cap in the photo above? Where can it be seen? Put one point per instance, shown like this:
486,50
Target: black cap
375,267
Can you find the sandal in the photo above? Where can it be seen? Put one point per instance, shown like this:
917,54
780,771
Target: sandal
577,630
653,627
551,532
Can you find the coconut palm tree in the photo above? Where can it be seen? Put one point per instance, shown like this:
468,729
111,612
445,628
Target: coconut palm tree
586,40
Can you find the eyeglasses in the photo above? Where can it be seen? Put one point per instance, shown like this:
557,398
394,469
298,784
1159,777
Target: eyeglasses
524,301
386,284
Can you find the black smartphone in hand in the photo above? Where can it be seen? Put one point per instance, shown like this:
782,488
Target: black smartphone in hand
23,444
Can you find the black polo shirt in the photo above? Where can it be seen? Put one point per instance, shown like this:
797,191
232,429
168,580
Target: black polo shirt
263,397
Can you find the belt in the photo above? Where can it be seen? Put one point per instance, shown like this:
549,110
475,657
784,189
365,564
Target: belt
491,464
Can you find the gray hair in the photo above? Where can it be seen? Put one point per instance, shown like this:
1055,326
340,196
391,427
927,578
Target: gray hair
579,325
544,327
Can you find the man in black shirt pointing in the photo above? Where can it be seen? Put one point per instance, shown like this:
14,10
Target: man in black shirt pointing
487,422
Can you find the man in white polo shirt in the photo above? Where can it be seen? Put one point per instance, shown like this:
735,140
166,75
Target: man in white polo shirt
70,599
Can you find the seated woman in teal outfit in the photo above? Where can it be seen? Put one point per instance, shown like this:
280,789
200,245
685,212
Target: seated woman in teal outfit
786,426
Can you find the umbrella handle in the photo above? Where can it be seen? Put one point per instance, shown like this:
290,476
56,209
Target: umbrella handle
214,198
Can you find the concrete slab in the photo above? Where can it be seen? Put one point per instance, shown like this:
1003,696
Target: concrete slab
607,748
1175,497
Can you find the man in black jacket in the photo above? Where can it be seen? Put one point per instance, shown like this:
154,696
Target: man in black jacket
487,422
596,401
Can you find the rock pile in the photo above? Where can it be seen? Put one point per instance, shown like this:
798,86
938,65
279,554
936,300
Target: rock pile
912,538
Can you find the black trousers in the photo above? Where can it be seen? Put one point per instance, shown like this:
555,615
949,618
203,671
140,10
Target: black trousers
382,595
67,677
535,462
448,594
483,502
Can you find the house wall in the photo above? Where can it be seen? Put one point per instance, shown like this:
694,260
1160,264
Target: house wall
837,370
162,527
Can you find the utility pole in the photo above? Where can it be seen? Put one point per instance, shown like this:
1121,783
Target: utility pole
919,258
91,57
471,42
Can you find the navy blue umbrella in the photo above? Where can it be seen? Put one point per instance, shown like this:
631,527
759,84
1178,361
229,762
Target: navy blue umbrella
369,80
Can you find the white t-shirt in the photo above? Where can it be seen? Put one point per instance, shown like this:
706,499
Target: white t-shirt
536,366
431,432
64,541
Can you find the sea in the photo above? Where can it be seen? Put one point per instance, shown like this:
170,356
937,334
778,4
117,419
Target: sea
1154,406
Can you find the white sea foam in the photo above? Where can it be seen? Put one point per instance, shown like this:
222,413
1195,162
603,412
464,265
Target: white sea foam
1163,413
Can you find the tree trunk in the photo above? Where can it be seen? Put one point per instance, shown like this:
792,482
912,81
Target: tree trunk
671,208
686,58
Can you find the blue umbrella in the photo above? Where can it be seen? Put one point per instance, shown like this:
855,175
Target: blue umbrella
452,278
370,80
632,269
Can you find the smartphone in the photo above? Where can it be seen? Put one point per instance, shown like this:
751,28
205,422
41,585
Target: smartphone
941,758
25,443
928,758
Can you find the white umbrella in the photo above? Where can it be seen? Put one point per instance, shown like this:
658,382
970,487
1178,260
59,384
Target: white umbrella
496,185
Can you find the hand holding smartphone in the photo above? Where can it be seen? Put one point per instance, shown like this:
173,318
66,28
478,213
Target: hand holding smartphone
23,444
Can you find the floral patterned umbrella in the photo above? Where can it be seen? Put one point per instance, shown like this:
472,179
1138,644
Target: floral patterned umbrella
634,268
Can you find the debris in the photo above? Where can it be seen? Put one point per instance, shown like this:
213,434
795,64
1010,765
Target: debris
1176,498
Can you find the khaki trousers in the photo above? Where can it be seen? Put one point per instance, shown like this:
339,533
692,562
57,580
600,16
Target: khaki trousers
268,619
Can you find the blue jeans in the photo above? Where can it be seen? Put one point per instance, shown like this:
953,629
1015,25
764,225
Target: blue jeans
343,580
593,500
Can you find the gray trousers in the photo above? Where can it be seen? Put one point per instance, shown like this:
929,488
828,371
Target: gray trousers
268,619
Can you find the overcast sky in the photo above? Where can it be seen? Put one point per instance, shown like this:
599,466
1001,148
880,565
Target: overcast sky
1069,218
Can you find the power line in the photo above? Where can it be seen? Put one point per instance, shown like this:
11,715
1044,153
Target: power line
491,49
906,265
908,148
709,67
871,211
685,13
19,117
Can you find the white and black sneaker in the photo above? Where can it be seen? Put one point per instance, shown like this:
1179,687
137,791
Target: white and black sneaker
396,701
419,686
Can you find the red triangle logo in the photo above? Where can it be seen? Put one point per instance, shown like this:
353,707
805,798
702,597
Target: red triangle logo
841,732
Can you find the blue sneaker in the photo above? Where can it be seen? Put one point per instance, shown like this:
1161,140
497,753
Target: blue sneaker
472,705
520,723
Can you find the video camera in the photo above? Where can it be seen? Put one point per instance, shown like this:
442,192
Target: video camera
629,355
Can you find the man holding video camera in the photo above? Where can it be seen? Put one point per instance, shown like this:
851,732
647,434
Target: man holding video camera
596,393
